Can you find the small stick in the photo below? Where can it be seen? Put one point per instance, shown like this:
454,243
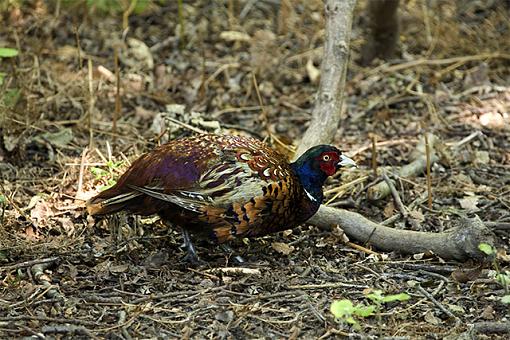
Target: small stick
235,270
77,37
395,195
374,154
91,103
435,302
180,15
82,170
429,180
467,139
263,114
361,248
28,263
118,104
127,13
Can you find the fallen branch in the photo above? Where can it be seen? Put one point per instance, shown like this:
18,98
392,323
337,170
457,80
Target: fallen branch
460,243
489,327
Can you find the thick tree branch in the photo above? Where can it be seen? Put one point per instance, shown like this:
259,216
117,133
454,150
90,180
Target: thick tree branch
460,243
328,105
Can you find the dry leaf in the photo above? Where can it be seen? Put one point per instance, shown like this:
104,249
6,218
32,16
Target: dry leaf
482,157
31,234
138,52
42,211
122,268
488,313
469,203
417,215
389,209
456,309
282,248
431,318
501,255
466,275
67,225
492,120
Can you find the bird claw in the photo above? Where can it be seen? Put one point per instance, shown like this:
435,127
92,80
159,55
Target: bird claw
236,259
193,259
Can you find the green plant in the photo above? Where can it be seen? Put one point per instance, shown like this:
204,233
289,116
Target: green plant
503,278
3,200
346,311
107,175
10,96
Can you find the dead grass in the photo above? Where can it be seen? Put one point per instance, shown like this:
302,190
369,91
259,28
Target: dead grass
124,278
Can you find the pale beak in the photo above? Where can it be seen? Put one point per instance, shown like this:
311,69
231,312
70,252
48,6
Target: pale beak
347,162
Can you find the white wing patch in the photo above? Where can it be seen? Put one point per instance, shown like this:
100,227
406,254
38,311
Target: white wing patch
313,199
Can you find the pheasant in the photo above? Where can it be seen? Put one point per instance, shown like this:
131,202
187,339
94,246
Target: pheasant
222,187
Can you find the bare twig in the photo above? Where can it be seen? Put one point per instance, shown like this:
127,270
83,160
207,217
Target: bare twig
374,154
437,303
116,112
235,270
395,195
28,263
91,103
429,178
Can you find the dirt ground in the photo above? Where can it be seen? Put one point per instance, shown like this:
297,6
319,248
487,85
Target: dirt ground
63,138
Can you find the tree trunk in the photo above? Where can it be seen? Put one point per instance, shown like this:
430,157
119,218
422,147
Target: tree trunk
328,105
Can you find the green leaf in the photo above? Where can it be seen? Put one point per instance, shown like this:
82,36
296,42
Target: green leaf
376,296
503,279
59,139
396,297
342,308
506,299
6,52
2,199
11,97
486,248
98,172
351,320
363,311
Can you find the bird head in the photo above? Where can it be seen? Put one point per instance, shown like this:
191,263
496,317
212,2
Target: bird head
323,161
316,165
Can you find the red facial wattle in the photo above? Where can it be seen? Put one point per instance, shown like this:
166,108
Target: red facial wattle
328,168
328,162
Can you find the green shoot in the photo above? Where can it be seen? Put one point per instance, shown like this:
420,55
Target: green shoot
503,278
106,176
346,311
6,52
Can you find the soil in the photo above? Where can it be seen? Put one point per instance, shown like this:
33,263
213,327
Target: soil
249,68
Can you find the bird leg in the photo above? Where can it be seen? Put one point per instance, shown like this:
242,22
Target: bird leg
237,258
191,255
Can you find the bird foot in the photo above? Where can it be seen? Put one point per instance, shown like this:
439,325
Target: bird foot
236,259
193,259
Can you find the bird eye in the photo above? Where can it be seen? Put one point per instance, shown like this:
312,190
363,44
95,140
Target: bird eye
325,158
